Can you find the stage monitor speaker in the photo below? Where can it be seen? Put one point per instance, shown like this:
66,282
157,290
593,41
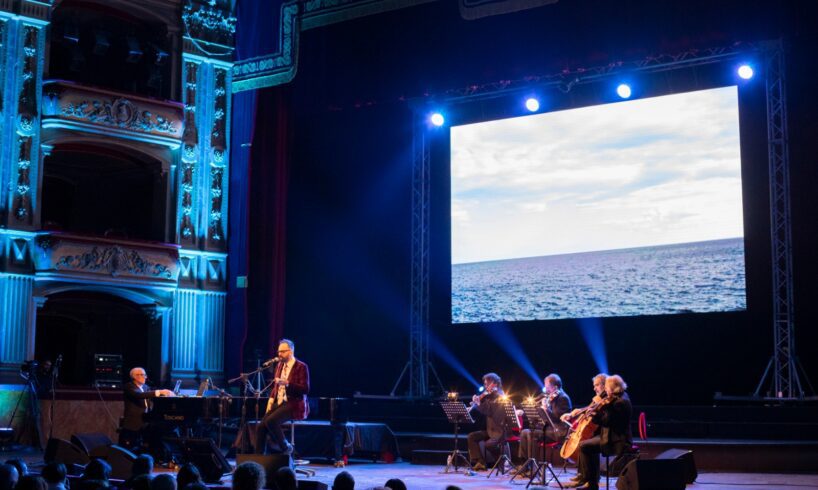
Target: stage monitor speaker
312,485
686,456
270,462
121,461
652,474
62,451
207,457
95,444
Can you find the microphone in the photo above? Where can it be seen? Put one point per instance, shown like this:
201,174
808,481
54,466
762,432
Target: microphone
270,362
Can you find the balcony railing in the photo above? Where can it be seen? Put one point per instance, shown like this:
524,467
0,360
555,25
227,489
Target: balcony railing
68,256
69,104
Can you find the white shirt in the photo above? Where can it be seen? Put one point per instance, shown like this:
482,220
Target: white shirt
281,392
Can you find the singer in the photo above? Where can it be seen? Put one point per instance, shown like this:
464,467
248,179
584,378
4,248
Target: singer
136,396
288,398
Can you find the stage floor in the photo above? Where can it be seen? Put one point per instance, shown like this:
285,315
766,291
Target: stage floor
432,477
422,477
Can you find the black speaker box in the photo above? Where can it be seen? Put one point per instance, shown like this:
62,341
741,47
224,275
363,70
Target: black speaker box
686,456
270,462
207,457
64,452
652,474
121,461
95,444
312,485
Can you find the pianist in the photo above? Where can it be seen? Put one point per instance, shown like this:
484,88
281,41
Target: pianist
288,398
137,394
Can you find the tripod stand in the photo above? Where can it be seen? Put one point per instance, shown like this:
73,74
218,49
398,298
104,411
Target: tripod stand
29,373
536,424
513,422
457,414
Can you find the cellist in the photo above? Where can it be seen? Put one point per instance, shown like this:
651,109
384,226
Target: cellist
599,394
613,417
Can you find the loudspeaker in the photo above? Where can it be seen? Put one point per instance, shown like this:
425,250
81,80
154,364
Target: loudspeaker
652,474
270,462
95,444
64,452
121,461
207,457
686,456
312,485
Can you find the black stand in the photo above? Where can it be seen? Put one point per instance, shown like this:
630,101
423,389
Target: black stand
457,414
542,466
536,423
513,422
33,411
248,388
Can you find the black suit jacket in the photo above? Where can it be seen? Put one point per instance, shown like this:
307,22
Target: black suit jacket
135,405
495,414
561,404
614,419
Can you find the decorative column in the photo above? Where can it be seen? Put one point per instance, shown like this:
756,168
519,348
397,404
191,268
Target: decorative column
22,52
197,337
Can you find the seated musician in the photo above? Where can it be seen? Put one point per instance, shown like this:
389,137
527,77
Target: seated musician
288,399
599,394
613,416
136,396
494,437
553,406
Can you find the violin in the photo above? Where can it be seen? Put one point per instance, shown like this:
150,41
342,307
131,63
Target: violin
481,396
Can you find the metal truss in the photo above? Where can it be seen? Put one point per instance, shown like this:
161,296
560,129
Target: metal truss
418,365
782,369
566,79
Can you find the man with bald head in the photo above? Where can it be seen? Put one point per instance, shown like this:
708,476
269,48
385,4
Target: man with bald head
137,394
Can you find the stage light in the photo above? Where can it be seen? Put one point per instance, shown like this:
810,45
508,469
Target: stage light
437,119
452,395
623,90
745,71
532,104
481,389
543,389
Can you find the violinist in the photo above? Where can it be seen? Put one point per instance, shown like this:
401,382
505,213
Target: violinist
555,403
494,437
613,416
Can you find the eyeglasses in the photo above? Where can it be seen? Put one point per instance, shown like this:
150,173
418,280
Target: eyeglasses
140,374
283,351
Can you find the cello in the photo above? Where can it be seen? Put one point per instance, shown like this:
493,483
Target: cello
582,427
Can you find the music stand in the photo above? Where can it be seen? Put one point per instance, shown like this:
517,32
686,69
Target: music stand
457,414
513,422
541,466
535,423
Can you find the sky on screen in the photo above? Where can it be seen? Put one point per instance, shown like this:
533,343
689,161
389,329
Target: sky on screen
644,172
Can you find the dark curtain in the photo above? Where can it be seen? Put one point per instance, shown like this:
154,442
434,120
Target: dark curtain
256,35
267,221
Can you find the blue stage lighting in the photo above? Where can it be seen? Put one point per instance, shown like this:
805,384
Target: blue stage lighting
745,71
437,119
591,329
623,90
543,389
481,389
532,104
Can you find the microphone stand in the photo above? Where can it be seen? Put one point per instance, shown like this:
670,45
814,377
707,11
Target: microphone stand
248,388
55,372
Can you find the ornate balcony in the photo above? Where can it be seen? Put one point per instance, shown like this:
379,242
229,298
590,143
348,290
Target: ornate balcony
72,106
75,257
